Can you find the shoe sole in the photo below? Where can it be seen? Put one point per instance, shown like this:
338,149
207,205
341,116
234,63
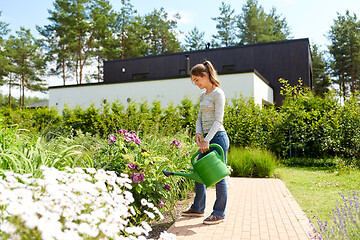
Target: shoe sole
192,214
213,222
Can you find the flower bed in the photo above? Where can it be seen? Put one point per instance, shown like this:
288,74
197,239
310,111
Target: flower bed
72,204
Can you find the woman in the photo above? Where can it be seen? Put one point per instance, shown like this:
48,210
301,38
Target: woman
209,125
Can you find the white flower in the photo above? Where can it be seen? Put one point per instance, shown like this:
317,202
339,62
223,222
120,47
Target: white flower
71,234
129,196
132,210
143,201
14,208
146,226
7,227
150,205
84,228
109,230
150,214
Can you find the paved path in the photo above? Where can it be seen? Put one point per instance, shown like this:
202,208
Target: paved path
257,208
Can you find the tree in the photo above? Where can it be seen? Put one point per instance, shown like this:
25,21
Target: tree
105,46
161,38
4,63
195,40
345,51
125,21
256,26
27,62
321,77
60,44
225,26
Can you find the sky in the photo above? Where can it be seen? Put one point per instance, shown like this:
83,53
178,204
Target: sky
310,19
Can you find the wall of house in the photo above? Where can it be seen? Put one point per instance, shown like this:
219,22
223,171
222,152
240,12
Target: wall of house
167,91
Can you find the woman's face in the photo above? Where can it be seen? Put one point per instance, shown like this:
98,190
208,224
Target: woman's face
201,81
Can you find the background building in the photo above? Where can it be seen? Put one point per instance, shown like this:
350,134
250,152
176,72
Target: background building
249,70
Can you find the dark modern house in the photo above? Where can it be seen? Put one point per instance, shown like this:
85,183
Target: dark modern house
136,78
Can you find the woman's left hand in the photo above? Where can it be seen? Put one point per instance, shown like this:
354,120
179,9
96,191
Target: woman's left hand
204,147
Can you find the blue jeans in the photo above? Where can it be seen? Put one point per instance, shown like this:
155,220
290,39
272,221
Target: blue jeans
199,204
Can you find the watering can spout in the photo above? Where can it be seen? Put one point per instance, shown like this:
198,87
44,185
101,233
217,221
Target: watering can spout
194,176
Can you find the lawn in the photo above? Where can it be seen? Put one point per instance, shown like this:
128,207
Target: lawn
317,189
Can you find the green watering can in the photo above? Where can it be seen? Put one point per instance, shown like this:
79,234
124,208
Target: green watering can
208,170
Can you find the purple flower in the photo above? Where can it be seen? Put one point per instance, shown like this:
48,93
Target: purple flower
131,137
132,166
143,150
138,177
121,131
161,204
175,143
167,187
112,138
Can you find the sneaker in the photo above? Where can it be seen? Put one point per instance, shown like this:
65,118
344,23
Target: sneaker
192,213
213,220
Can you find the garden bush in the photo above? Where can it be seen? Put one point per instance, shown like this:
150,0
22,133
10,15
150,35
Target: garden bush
305,126
251,162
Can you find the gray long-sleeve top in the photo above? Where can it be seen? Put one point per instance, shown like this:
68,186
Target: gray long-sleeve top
211,113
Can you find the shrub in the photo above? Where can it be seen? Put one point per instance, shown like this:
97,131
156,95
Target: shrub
251,162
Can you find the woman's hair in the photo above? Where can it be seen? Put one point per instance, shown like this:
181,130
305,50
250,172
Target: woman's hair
206,67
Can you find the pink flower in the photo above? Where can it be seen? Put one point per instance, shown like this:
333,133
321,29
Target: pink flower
112,138
175,143
132,166
167,187
121,131
161,204
138,177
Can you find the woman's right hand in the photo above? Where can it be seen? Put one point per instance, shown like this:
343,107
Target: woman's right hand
198,139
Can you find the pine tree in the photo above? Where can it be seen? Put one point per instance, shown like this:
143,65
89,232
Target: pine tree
225,26
195,40
345,50
27,62
4,63
105,46
256,26
161,38
321,77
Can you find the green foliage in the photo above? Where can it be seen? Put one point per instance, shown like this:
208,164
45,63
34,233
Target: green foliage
226,35
256,26
25,153
344,50
247,124
305,126
251,162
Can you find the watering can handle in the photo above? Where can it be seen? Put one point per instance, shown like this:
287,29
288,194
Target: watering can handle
211,145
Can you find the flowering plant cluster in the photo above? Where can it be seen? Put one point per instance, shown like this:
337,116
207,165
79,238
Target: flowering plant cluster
72,204
124,154
117,151
147,181
345,220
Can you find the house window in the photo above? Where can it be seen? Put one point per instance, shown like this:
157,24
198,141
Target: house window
140,76
228,68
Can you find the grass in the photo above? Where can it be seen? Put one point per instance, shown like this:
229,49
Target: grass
251,162
317,189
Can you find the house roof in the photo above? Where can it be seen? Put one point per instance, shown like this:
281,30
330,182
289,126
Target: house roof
288,59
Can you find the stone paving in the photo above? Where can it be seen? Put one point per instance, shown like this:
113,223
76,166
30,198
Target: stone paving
257,209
